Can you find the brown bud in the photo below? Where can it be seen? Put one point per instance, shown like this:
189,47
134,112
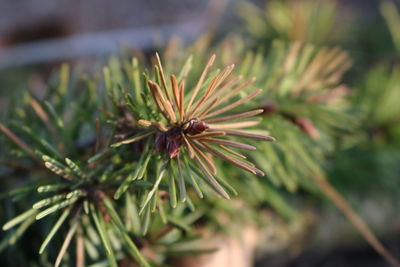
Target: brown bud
174,143
194,126
306,126
270,108
169,141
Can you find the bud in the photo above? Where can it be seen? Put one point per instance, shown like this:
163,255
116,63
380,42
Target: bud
194,126
306,126
174,143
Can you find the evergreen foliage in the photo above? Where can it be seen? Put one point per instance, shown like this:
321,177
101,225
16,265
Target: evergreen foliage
128,164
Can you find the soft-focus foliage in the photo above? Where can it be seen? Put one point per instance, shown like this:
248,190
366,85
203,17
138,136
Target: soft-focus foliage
129,164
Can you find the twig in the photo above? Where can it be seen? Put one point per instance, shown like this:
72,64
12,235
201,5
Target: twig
355,219
98,135
80,249
18,141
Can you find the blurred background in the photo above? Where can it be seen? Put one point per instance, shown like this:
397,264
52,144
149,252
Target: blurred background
36,36
47,31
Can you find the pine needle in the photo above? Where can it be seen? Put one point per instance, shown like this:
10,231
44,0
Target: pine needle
54,230
17,141
67,240
18,219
